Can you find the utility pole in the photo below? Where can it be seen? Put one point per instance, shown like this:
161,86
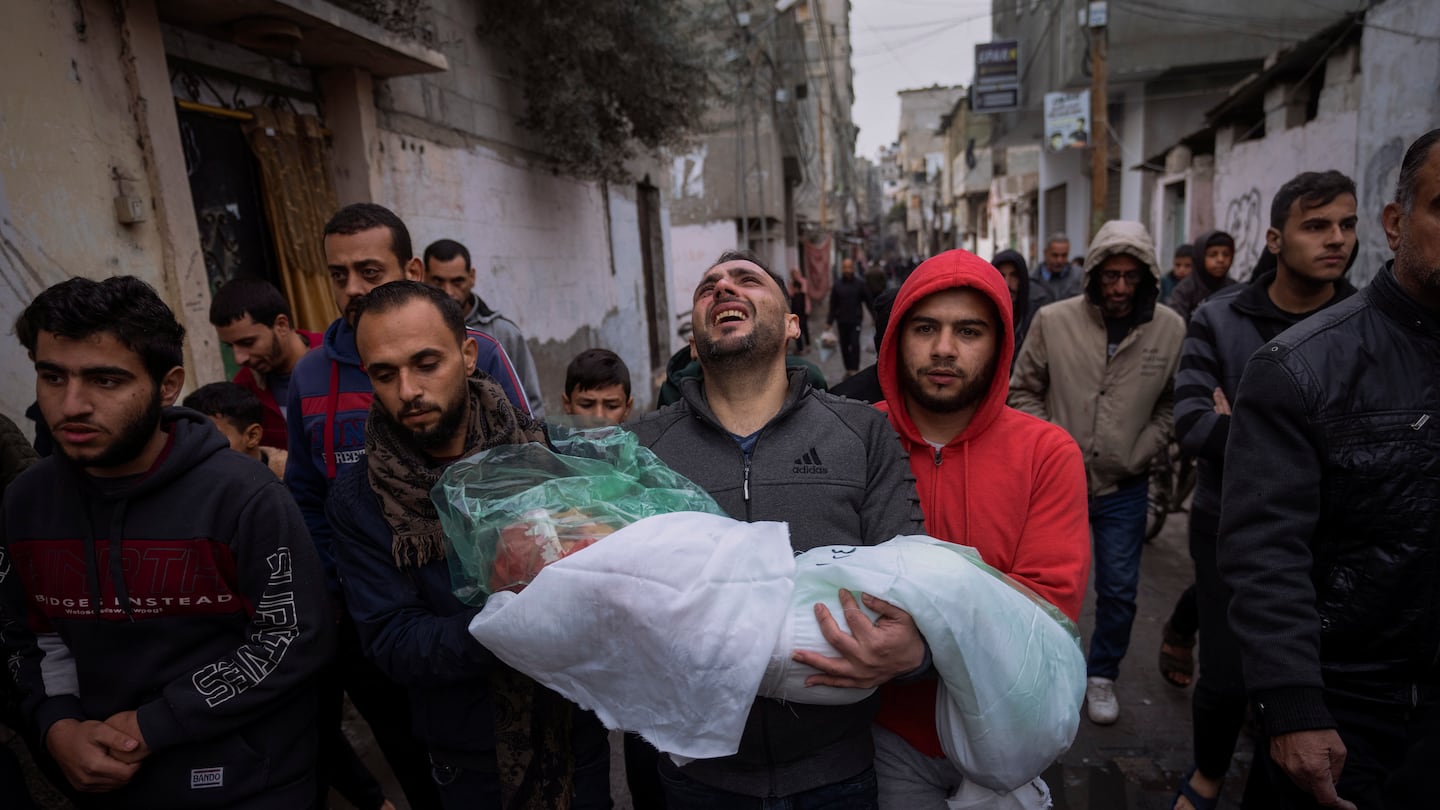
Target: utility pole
820,125
1099,116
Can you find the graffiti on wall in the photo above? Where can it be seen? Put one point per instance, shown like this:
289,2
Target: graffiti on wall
1244,222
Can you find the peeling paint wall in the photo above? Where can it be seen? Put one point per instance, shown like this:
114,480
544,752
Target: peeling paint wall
559,256
1248,173
71,140
695,248
540,245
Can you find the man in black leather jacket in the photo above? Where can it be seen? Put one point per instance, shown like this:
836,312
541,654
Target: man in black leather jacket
1330,526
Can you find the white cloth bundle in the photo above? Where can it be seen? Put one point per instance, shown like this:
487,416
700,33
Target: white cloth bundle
671,626
663,628
1012,675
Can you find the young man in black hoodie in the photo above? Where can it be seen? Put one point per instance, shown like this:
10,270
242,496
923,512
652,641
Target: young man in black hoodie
164,605
1017,279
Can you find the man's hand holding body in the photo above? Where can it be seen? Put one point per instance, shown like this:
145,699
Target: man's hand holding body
872,653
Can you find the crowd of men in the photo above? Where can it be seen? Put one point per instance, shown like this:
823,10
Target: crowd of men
189,593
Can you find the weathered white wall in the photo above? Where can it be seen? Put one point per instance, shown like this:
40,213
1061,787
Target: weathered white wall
693,248
1399,102
538,242
71,140
1068,167
1248,174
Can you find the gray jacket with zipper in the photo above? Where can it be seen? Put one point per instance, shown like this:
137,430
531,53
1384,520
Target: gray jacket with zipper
833,469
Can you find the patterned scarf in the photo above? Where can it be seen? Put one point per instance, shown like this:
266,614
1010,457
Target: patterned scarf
402,476
533,751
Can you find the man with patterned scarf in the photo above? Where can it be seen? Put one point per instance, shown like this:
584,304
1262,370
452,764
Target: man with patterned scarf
496,738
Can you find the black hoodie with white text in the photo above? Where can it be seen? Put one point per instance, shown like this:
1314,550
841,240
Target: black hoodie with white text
190,593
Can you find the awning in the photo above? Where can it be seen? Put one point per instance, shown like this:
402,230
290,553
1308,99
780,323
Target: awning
323,34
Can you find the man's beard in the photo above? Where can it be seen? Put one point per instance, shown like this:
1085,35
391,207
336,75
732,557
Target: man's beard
1408,263
452,420
971,391
129,440
757,348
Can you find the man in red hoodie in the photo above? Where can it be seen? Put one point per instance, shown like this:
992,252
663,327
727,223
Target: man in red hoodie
988,476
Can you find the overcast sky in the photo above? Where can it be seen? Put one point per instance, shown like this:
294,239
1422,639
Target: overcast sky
903,44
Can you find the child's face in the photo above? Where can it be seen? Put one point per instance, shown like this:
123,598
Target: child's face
595,407
1183,266
1218,259
239,440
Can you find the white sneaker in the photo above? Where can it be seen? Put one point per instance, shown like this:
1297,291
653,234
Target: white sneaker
1104,707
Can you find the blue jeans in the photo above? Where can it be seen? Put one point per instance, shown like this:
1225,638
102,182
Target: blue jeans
856,793
1117,533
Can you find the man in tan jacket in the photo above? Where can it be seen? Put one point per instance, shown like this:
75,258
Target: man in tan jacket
1101,366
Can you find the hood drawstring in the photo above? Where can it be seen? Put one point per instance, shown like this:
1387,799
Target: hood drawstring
92,565
333,404
114,563
117,568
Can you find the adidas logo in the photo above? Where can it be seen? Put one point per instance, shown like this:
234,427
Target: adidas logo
810,464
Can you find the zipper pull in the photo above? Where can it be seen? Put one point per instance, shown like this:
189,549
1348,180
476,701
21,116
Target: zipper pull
1420,423
747,479
937,457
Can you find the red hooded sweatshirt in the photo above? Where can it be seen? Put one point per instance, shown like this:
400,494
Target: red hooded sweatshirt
1010,485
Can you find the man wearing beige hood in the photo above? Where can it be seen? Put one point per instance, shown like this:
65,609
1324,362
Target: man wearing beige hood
1101,365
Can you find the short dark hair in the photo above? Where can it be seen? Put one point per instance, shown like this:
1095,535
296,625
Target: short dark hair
446,250
237,404
248,296
1415,157
123,306
1185,251
358,217
1312,190
399,293
748,256
596,368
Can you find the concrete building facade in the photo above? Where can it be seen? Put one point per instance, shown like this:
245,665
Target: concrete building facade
1166,66
1341,100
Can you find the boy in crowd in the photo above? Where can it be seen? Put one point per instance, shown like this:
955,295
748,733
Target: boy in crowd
597,389
239,416
1180,267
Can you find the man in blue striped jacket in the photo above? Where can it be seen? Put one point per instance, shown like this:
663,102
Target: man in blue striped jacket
366,245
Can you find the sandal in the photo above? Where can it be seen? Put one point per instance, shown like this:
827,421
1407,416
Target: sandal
1196,800
1181,663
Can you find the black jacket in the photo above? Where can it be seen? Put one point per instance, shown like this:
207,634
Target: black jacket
835,471
417,632
1330,534
1223,333
191,594
849,299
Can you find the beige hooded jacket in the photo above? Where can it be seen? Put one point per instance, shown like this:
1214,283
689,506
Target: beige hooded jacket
1118,410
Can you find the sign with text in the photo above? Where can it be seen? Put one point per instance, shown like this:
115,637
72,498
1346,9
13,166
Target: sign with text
1067,120
997,77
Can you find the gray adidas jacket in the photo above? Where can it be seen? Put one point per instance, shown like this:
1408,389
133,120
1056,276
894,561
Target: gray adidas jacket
835,471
